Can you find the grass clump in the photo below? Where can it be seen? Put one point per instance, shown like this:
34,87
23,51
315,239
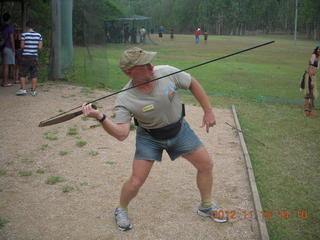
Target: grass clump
72,131
3,222
81,143
51,135
55,179
25,173
40,171
84,118
67,188
110,162
3,172
44,146
63,153
93,153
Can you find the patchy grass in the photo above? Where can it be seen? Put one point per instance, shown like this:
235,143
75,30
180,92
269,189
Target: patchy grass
25,173
84,118
55,179
3,222
110,162
44,146
81,143
40,171
51,135
63,153
67,188
84,184
72,131
3,172
93,153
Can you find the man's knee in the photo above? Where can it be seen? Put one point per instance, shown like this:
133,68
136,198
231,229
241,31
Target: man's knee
207,166
136,182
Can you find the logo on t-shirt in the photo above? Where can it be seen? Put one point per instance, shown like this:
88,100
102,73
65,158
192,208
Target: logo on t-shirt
170,92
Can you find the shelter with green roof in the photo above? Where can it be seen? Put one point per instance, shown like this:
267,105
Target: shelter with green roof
126,30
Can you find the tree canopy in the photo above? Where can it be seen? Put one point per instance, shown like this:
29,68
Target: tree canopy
221,17
231,17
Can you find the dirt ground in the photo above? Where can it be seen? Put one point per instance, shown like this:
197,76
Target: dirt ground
166,206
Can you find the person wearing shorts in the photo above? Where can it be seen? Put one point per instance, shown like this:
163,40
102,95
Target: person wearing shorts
159,115
31,42
8,51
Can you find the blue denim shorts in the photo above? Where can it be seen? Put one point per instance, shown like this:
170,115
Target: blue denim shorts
150,148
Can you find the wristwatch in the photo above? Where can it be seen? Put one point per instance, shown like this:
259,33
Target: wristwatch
103,118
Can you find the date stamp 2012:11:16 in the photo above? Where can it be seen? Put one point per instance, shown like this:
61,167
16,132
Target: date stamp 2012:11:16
266,214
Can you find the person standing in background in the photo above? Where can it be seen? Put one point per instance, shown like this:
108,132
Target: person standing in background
18,54
31,42
205,36
197,34
8,56
142,33
171,34
160,32
309,83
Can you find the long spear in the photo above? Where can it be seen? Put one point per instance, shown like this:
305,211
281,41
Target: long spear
57,119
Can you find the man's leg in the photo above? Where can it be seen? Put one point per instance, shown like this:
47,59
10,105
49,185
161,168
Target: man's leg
140,172
204,165
201,160
34,83
22,90
16,73
23,74
22,83
34,86
5,74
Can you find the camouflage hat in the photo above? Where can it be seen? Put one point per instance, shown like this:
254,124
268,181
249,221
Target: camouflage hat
135,57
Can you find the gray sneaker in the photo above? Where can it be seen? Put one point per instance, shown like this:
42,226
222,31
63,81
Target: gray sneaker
21,92
33,92
122,220
214,212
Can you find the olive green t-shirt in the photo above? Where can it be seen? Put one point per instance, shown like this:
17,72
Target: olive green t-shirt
157,109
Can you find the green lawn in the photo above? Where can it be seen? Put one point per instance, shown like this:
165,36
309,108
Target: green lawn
263,84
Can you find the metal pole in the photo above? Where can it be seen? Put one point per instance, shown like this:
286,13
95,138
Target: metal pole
296,22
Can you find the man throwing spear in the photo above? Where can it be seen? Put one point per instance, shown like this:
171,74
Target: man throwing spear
159,115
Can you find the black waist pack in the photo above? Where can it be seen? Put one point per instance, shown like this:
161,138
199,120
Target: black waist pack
168,131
